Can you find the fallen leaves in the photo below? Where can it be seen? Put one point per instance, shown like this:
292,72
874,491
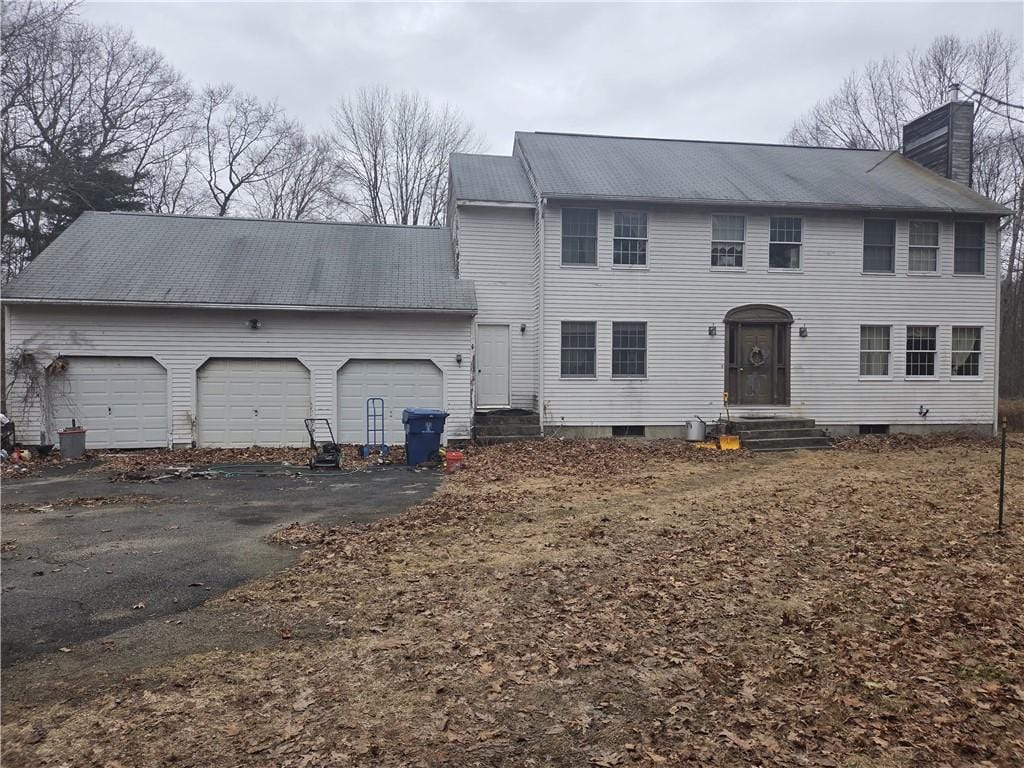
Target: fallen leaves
615,603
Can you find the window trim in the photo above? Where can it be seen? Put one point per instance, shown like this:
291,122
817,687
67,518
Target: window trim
633,376
742,267
864,244
984,248
906,355
561,348
597,238
800,253
860,354
952,337
646,240
937,247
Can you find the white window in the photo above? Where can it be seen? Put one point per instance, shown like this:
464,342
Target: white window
579,236
629,350
969,248
784,238
875,349
966,351
630,245
920,350
879,245
728,236
579,350
924,246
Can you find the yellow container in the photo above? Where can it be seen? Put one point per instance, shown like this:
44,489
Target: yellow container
729,442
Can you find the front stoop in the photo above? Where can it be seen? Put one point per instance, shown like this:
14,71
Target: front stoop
505,426
781,434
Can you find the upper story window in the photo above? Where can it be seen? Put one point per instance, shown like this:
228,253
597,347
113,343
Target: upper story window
728,236
785,235
874,350
879,245
579,236
920,350
924,246
966,351
969,248
629,349
579,350
630,245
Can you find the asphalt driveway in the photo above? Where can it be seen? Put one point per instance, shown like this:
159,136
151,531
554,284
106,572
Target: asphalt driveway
121,553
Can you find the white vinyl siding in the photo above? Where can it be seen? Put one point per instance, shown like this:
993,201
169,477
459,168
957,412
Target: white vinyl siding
182,340
680,297
498,252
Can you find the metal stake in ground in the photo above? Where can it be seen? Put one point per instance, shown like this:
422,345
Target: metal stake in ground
1002,475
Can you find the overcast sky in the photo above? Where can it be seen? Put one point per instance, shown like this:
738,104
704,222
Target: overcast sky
730,71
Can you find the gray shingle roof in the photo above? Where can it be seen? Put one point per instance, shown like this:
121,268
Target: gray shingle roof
580,166
148,258
490,178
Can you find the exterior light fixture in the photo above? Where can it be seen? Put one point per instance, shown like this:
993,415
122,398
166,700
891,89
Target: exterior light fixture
712,330
458,359
522,328
254,324
803,331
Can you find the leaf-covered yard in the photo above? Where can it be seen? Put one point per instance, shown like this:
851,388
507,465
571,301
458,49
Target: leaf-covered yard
611,603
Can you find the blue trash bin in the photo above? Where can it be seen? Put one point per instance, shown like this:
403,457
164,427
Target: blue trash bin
423,428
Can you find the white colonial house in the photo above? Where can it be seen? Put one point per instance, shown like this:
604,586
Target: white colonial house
586,285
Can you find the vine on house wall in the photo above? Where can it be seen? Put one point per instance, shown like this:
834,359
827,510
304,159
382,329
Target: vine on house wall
33,383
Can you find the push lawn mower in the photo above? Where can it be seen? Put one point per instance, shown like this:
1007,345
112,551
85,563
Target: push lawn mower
328,454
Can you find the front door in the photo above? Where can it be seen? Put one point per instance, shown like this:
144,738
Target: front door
756,364
492,366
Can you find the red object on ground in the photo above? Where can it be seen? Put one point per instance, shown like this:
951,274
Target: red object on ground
452,461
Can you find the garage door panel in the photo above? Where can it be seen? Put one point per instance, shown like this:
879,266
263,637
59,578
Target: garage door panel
253,402
402,384
122,402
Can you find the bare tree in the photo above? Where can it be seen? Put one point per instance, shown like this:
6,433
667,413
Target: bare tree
244,142
307,185
84,110
393,150
870,107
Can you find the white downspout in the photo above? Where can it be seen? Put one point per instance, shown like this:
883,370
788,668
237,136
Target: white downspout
542,203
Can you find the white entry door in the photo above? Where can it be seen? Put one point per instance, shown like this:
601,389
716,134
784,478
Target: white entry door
121,401
402,383
253,402
492,366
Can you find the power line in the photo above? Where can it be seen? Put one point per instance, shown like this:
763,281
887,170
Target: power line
984,95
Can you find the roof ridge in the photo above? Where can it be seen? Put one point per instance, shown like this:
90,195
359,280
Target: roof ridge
698,141
153,214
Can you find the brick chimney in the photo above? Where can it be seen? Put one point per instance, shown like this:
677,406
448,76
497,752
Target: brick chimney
943,140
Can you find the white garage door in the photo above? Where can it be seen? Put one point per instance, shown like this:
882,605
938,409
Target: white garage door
402,384
121,401
253,402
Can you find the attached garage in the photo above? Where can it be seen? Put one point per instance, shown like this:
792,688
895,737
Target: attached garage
252,402
121,401
402,384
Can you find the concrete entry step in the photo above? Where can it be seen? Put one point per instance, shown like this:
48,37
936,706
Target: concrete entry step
506,425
